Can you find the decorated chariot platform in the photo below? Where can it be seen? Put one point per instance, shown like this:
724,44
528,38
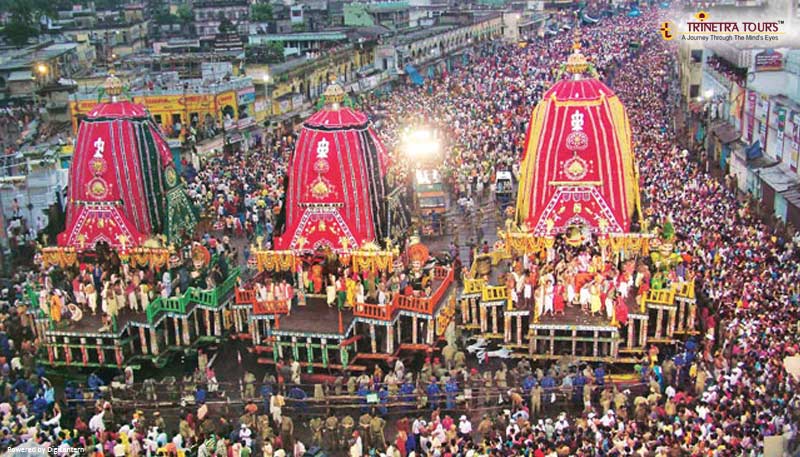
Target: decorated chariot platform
338,221
127,214
168,326
578,224
661,316
325,338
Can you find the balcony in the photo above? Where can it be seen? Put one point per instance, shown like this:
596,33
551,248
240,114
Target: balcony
410,303
719,78
724,73
211,298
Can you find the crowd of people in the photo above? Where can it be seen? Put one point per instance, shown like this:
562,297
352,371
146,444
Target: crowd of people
109,286
722,67
242,199
481,109
721,394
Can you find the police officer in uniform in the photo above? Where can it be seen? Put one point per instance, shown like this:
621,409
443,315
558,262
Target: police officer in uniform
330,435
377,437
536,400
487,387
364,426
316,431
249,385
287,432
150,389
347,426
264,430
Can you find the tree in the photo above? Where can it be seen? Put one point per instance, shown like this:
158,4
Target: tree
261,12
185,15
23,23
269,53
225,25
276,50
164,17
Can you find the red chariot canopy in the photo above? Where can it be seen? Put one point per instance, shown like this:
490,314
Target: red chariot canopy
578,166
123,186
335,197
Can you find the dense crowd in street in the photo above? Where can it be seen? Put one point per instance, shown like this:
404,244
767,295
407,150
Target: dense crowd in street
242,199
721,394
482,109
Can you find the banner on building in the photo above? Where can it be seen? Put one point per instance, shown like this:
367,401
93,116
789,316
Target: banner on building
751,117
297,101
737,95
768,60
781,117
247,96
780,113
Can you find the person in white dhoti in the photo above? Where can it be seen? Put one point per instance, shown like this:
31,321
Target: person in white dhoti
132,290
276,403
539,301
96,423
548,297
585,296
144,295
261,292
527,293
609,302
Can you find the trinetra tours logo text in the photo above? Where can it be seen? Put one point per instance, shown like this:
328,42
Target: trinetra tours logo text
702,29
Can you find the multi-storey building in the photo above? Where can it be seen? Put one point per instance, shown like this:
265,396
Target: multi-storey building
209,14
747,115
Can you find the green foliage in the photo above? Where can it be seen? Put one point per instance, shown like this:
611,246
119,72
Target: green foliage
668,231
277,48
18,34
185,14
163,17
270,53
24,15
226,26
261,12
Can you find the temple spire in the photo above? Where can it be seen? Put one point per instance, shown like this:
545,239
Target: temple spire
113,85
334,95
576,62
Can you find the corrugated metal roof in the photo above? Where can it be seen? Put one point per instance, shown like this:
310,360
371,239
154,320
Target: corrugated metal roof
310,36
725,132
778,178
20,76
792,196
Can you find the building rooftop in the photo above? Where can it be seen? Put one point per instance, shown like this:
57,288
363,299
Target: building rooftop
421,33
220,3
290,65
25,58
303,36
21,75
387,7
104,25
139,87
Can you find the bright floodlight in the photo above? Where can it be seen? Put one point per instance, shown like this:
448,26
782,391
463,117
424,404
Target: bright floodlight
709,93
420,144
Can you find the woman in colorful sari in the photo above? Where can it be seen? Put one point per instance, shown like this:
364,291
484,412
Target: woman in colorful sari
55,306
